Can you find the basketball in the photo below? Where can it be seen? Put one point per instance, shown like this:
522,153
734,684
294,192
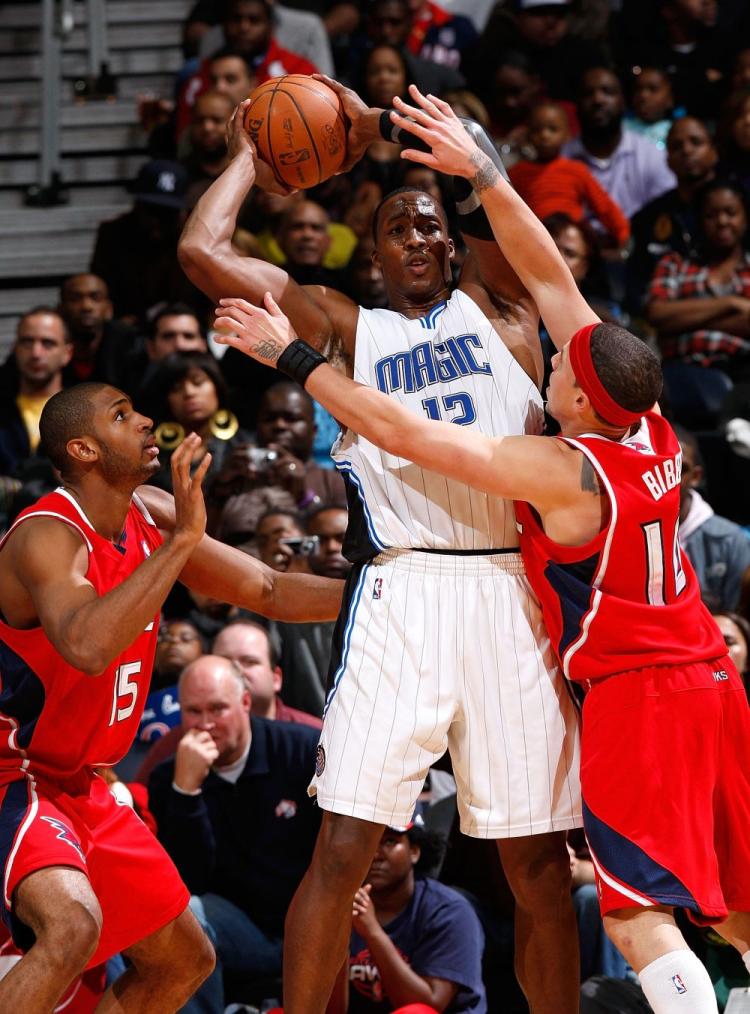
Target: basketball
297,125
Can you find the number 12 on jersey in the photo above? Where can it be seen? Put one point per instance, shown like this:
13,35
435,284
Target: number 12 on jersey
125,692
457,408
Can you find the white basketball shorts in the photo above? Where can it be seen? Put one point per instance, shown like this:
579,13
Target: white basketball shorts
436,651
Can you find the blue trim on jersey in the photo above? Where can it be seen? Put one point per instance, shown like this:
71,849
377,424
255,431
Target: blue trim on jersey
345,468
572,583
429,319
347,637
22,696
633,867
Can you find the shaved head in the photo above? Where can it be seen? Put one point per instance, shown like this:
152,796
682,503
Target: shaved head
67,415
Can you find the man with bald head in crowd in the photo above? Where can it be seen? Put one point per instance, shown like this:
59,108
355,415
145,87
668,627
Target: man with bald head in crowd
233,812
30,376
668,224
304,240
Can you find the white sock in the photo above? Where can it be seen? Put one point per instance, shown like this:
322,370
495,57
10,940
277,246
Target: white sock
746,959
677,983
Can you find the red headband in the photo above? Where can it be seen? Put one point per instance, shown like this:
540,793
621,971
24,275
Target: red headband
589,382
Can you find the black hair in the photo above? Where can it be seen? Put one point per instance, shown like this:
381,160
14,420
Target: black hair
720,183
67,415
733,106
320,509
393,193
170,371
685,436
230,7
229,51
173,310
598,65
291,385
286,512
432,848
626,366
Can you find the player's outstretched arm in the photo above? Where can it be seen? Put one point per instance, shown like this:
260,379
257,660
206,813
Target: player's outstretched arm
210,261
49,561
229,575
524,241
526,468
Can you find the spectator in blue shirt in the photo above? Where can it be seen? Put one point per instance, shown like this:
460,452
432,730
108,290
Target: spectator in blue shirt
414,940
629,166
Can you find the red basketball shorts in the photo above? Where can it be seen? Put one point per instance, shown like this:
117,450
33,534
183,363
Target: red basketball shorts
79,824
665,777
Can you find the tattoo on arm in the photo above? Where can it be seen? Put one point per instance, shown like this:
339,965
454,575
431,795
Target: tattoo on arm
268,349
487,173
590,482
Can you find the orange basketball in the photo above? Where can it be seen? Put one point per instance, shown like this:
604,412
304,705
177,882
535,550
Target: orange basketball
297,125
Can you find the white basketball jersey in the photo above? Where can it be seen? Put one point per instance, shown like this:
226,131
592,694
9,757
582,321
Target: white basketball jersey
450,364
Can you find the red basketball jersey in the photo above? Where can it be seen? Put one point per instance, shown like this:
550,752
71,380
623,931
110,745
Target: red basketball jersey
55,720
629,598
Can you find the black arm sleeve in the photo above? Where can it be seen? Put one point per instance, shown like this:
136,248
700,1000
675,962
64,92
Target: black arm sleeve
471,214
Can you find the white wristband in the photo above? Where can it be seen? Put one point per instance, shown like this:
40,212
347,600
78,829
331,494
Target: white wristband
184,792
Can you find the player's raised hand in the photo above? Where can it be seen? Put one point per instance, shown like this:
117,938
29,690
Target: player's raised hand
239,142
453,150
189,505
195,754
363,122
262,334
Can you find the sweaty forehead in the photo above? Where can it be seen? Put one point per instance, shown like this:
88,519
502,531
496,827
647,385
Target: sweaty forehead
411,205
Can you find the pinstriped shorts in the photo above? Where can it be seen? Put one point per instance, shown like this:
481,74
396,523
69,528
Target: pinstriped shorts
436,652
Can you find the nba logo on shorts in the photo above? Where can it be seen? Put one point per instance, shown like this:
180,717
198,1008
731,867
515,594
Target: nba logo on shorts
377,588
678,984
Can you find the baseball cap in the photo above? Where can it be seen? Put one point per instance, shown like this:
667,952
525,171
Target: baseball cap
161,182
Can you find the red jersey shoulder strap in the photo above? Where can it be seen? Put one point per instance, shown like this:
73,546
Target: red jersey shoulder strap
62,506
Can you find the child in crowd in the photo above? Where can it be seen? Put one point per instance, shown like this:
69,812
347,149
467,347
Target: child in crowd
552,183
652,105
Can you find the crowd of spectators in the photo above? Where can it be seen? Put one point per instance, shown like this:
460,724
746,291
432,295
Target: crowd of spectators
626,127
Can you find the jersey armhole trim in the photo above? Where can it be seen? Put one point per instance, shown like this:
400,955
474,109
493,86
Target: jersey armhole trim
49,514
143,510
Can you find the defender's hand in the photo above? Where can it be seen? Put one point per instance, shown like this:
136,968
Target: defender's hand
262,334
195,754
453,149
363,121
189,505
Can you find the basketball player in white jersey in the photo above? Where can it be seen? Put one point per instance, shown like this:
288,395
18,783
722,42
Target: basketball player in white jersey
440,643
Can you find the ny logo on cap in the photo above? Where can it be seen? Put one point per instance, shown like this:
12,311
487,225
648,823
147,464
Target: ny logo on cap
166,182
